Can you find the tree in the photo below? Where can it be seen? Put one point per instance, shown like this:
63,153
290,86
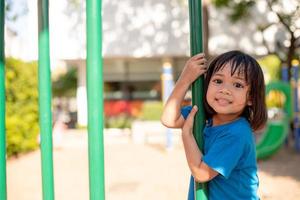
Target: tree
286,20
22,126
65,85
14,10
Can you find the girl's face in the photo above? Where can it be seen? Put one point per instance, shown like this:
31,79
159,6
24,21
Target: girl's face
227,95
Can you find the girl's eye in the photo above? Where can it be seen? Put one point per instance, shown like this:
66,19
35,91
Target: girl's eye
217,81
238,85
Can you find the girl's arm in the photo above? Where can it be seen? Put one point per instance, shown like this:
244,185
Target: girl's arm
200,171
194,67
171,116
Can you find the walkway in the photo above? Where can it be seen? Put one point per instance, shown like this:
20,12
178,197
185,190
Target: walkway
135,172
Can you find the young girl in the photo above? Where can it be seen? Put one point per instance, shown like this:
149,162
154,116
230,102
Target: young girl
234,102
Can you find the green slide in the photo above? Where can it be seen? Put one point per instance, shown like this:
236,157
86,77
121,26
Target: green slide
276,131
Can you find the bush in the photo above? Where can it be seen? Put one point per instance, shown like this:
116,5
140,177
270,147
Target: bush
151,110
271,66
21,106
66,84
120,121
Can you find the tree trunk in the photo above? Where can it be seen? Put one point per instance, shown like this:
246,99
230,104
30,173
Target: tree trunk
291,53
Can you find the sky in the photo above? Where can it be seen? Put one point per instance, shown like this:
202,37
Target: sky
16,14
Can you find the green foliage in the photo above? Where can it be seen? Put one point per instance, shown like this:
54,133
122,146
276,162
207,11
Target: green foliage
287,45
21,106
237,9
66,84
120,121
151,110
271,66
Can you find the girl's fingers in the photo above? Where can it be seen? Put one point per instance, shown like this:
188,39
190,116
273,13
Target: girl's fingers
198,56
202,66
190,118
201,62
189,122
202,59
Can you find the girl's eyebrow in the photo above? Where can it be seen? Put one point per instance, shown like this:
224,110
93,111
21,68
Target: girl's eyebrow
239,77
218,74
236,77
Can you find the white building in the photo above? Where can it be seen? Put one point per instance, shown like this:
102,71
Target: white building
138,38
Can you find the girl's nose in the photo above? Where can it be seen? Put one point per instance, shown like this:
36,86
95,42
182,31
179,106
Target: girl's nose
225,91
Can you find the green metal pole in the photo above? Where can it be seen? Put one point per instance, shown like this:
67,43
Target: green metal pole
95,99
3,194
195,11
45,114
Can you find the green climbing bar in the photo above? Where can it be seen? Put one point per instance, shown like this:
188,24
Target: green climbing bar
195,12
45,114
3,194
95,100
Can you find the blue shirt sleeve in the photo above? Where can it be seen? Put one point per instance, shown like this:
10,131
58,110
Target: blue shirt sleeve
225,153
191,194
185,111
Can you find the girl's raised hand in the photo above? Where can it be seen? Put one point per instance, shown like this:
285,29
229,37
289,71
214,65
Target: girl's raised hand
189,122
194,67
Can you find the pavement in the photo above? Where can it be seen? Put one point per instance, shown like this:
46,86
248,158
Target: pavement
135,169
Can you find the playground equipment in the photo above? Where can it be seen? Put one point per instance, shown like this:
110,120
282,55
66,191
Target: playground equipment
295,85
195,11
95,101
2,108
276,131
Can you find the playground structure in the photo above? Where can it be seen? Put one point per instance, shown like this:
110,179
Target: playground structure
277,131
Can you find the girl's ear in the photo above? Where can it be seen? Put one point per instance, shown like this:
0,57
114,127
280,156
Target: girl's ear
249,99
249,102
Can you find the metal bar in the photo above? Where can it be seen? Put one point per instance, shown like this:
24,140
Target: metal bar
3,192
45,115
195,14
95,99
295,72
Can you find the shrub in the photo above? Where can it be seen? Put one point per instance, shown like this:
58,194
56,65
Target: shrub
21,106
151,110
120,121
271,66
66,84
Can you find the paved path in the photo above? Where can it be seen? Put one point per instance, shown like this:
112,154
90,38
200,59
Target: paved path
135,172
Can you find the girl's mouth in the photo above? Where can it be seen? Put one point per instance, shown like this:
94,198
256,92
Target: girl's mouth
223,101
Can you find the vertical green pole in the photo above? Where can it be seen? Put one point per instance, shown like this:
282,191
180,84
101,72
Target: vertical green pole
45,114
2,108
195,11
95,99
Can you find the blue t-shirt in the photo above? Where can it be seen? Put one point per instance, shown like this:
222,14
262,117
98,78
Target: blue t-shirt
229,149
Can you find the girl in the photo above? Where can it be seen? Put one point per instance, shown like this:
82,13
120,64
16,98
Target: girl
234,103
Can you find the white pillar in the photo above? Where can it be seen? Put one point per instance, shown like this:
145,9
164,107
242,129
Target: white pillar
81,96
167,87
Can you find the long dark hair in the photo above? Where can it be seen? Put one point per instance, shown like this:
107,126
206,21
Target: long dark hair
242,63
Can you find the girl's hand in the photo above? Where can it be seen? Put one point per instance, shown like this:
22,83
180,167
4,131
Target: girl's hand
189,122
194,67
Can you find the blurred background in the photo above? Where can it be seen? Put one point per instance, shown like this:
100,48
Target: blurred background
145,46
